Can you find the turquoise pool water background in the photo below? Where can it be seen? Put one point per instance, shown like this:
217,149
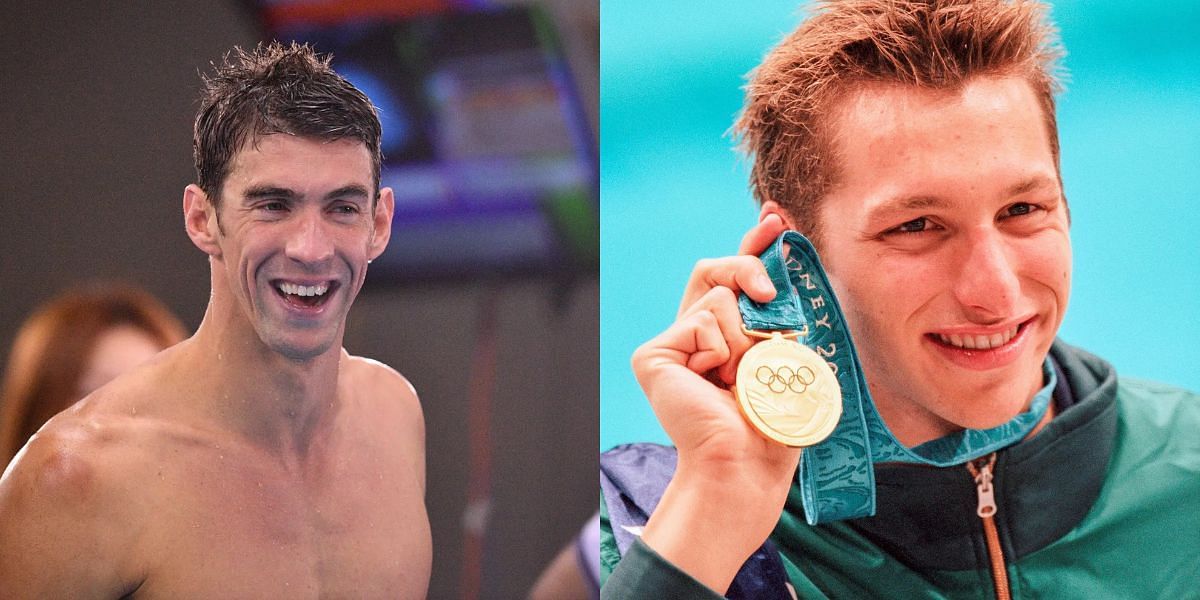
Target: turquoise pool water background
673,190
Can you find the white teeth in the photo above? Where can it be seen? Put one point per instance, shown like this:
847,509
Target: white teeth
303,290
979,342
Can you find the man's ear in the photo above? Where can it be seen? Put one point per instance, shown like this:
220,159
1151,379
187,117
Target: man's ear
381,230
200,220
771,207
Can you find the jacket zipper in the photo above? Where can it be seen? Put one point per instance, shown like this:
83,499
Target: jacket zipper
982,473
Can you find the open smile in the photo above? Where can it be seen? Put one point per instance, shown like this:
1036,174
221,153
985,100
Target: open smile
306,296
982,350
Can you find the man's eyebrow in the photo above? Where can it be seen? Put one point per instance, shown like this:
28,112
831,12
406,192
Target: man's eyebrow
1033,183
268,191
259,192
906,203
349,191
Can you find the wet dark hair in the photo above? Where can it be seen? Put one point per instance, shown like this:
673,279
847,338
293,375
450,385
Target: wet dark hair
276,88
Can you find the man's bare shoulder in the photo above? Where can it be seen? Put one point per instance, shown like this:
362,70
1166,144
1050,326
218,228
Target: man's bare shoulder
388,403
62,462
70,487
97,448
84,449
98,457
376,382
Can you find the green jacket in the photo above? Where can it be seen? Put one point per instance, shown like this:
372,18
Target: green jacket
1104,502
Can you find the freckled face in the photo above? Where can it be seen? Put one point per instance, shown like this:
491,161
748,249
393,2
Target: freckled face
298,231
947,244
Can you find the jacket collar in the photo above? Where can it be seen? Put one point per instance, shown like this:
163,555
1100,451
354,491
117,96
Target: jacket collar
1044,485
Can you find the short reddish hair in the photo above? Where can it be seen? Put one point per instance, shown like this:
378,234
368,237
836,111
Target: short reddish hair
936,44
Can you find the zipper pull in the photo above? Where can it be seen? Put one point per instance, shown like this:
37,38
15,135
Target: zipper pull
983,486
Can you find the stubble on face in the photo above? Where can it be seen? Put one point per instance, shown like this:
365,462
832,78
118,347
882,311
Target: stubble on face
297,212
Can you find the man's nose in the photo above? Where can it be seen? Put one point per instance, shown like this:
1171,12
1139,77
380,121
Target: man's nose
988,286
309,242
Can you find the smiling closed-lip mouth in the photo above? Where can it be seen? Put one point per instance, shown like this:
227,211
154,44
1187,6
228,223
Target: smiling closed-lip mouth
304,295
982,348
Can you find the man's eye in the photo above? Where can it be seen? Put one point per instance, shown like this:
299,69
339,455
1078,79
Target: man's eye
1020,208
914,226
346,209
273,206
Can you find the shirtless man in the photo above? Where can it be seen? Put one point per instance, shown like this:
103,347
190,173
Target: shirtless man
257,459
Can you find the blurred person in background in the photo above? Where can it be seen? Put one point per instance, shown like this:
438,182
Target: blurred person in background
574,573
72,345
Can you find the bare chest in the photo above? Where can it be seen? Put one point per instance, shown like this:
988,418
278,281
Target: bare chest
236,527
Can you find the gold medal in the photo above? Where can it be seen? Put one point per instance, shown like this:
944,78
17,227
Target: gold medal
788,392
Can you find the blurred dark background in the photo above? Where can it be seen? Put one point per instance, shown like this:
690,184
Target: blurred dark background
95,135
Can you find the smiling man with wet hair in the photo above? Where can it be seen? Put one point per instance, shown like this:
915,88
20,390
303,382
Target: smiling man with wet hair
257,458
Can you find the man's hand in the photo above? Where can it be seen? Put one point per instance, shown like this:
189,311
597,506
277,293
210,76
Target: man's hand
731,482
713,279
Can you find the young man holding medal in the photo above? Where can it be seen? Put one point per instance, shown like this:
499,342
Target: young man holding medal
972,454
257,459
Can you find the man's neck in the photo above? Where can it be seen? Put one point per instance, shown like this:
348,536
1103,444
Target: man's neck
914,426
275,402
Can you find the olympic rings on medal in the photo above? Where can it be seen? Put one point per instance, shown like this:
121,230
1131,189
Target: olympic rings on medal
785,378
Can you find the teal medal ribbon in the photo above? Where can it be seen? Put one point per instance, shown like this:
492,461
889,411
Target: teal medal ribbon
837,475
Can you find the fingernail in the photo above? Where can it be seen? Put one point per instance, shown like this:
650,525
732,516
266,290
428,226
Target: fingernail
764,282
